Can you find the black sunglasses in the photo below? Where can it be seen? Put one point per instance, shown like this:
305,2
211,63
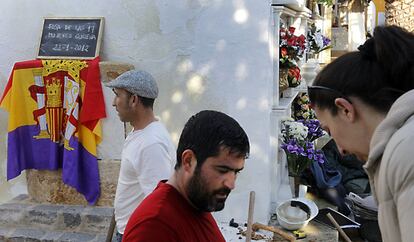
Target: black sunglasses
311,90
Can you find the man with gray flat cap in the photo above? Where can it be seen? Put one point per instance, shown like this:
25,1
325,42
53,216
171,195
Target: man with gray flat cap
148,155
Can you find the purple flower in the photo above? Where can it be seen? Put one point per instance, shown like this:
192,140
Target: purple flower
292,147
326,41
319,156
314,128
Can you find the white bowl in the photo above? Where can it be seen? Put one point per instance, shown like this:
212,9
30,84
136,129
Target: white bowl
293,218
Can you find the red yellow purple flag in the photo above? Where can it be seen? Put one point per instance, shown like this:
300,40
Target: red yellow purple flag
55,107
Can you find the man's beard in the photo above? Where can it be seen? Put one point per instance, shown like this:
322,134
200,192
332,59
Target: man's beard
200,196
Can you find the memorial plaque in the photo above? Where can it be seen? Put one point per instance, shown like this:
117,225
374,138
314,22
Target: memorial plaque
70,38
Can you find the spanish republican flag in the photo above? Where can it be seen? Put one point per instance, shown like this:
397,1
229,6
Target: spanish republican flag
55,107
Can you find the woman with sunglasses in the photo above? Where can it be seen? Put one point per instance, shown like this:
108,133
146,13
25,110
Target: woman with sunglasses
365,100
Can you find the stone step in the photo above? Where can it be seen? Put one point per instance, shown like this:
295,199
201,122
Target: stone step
21,213
42,235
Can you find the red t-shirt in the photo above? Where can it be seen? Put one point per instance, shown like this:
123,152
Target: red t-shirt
166,216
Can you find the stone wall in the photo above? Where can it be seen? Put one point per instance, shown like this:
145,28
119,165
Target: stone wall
400,13
47,186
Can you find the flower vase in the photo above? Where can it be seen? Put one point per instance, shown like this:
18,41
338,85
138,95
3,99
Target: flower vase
294,182
297,189
296,164
316,62
309,71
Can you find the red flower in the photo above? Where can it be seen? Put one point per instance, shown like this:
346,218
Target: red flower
291,41
294,72
294,76
291,30
301,40
283,52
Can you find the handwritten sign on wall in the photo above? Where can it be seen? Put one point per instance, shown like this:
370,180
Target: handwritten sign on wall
70,38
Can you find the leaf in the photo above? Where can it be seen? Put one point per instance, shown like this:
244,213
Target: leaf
324,48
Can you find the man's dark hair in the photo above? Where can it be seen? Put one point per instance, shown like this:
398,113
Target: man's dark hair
380,72
206,132
147,102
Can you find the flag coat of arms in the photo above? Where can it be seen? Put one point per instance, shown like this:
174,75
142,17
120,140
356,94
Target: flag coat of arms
55,107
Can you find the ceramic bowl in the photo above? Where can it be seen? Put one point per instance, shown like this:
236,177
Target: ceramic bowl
293,218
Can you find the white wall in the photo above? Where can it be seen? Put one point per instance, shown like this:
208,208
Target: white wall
205,54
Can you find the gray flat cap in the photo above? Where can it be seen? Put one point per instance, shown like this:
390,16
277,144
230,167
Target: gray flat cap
140,83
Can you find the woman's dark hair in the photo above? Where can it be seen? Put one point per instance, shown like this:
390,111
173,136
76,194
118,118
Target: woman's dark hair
206,132
380,72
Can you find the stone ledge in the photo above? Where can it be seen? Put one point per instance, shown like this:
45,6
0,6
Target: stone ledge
81,237
20,234
63,218
35,234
